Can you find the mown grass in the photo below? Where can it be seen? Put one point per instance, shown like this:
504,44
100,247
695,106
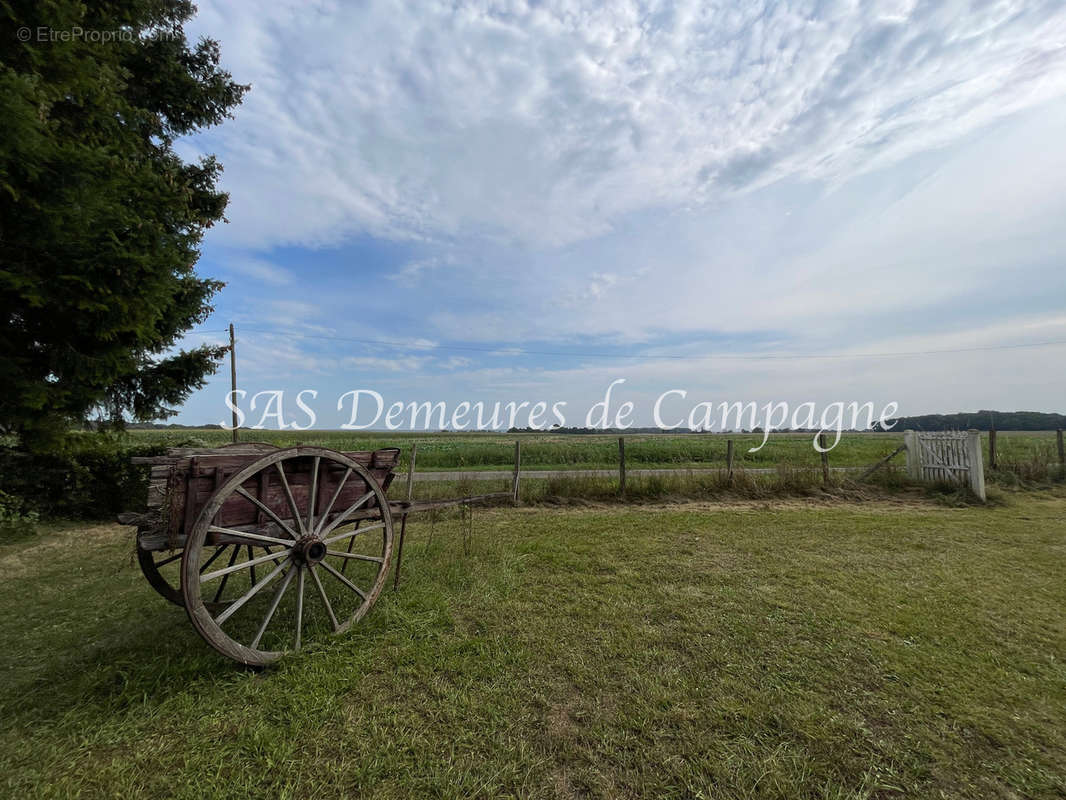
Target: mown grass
789,650
472,451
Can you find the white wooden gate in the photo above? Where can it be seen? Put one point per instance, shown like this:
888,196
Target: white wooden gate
946,456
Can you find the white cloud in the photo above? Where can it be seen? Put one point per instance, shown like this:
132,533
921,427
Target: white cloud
546,123
830,177
920,380
401,363
412,272
266,360
260,270
456,362
289,314
1005,379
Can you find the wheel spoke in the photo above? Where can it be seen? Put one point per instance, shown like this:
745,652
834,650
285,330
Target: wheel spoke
344,515
333,499
342,579
359,556
351,544
325,599
340,537
267,548
236,604
314,495
225,578
299,605
241,491
167,560
258,537
292,501
218,573
219,551
270,611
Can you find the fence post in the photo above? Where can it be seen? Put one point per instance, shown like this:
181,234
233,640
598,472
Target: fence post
825,458
517,470
621,465
411,471
992,448
1062,453
729,458
233,379
914,456
403,519
977,470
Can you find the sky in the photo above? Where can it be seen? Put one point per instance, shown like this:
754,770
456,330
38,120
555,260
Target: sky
769,202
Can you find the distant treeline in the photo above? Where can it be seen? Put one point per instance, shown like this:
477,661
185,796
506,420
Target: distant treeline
630,431
982,421
583,431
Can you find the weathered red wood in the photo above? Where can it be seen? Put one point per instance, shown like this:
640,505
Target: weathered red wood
172,507
195,479
189,508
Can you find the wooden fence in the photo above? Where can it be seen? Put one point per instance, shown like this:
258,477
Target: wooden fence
946,457
935,456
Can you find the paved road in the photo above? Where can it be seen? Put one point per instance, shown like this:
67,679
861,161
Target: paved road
534,474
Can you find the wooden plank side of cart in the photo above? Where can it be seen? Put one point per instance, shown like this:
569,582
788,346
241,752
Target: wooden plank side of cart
181,484
184,480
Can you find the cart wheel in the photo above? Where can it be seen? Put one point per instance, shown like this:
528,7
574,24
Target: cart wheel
163,571
165,581
324,532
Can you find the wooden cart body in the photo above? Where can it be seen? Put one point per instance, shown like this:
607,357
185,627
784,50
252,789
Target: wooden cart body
184,480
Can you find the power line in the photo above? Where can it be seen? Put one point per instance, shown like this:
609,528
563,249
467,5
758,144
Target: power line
512,351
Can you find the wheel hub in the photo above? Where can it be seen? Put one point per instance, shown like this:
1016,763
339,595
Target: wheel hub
310,550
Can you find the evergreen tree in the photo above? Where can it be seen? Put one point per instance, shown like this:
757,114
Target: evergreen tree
100,220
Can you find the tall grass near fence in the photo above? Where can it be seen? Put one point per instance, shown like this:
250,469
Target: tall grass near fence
784,481
91,476
1036,464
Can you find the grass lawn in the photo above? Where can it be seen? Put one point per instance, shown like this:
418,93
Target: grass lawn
789,649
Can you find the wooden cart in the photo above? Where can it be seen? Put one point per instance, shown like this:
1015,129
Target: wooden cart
230,530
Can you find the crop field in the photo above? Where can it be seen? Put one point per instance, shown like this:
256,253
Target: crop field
780,649
474,451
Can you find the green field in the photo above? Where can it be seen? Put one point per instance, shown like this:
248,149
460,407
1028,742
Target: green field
777,650
473,451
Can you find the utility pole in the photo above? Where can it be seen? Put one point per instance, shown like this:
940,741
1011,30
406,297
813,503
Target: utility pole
233,379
